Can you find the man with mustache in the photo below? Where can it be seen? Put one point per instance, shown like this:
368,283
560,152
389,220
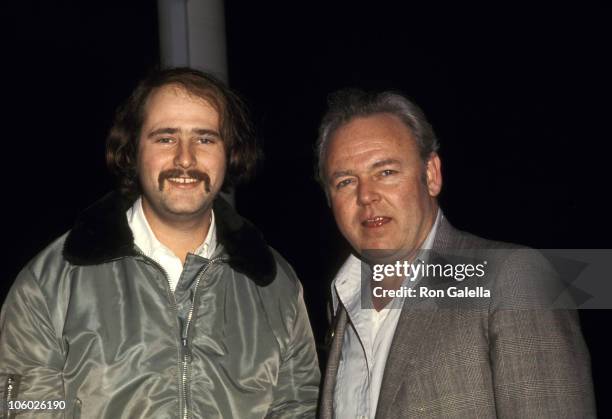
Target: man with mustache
162,301
500,353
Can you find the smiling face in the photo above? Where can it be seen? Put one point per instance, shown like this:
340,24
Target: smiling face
181,156
382,194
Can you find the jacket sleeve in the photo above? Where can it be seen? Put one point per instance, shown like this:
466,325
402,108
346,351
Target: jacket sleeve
31,359
297,390
540,362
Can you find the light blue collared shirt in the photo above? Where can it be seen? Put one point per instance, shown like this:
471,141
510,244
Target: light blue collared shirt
366,341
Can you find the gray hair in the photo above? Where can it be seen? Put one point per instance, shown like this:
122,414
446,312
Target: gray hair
347,104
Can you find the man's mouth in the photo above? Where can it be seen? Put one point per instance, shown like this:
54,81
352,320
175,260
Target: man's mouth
182,180
375,222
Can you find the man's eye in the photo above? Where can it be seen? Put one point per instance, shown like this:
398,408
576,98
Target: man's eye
206,140
165,140
343,183
388,172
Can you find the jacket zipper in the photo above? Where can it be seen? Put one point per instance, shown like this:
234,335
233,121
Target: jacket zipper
185,352
10,393
185,337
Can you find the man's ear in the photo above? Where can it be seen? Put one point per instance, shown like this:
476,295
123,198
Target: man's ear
433,170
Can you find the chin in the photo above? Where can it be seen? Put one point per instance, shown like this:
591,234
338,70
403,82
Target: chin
379,243
184,210
383,252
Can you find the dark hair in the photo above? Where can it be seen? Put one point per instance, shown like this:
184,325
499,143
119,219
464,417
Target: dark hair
236,132
346,104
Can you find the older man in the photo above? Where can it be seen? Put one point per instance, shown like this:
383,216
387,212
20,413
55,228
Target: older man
162,302
422,352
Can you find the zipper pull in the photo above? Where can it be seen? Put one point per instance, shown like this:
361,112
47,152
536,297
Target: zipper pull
11,391
186,352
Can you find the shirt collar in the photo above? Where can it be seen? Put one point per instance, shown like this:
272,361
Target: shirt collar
207,248
429,240
145,239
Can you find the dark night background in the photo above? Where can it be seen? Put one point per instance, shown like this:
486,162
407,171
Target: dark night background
516,93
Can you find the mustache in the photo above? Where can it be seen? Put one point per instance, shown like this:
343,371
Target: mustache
193,173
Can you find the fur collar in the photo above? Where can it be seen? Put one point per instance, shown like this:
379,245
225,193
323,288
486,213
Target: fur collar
101,233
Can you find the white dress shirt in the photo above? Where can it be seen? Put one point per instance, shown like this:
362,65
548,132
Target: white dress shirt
367,340
146,241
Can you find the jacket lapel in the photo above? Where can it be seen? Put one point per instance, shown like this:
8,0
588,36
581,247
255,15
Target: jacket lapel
413,329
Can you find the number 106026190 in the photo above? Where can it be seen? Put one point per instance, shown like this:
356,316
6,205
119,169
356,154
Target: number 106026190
36,404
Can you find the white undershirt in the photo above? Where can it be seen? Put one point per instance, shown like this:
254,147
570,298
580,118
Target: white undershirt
146,241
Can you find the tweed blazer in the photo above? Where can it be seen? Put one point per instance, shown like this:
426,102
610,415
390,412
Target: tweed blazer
485,361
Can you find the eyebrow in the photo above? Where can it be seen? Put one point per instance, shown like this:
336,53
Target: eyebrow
380,163
341,173
384,162
205,131
170,130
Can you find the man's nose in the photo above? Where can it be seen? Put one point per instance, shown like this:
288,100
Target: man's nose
185,156
367,192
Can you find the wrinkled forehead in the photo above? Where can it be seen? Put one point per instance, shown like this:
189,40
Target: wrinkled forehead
174,104
371,138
